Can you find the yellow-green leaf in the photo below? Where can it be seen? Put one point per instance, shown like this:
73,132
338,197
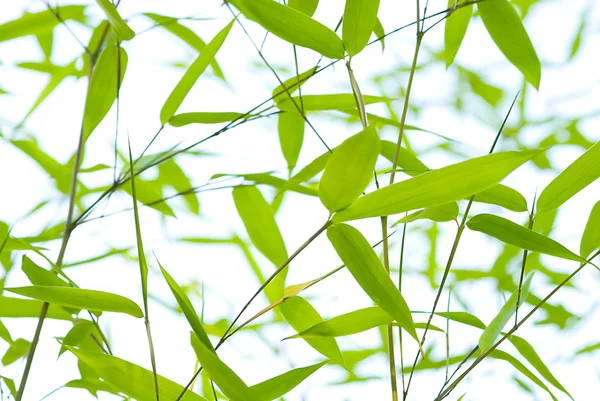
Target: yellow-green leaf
506,29
436,187
359,21
292,85
581,173
455,30
192,74
290,126
504,196
22,308
517,235
363,263
337,101
292,26
117,22
440,214
349,170
91,300
39,23
308,7
278,386
491,332
590,240
182,119
102,89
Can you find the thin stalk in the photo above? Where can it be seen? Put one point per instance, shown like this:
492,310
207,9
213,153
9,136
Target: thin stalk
524,263
481,357
400,271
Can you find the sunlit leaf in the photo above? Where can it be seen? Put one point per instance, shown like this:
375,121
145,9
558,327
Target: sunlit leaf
440,214
183,119
360,17
436,187
456,28
506,29
349,170
23,308
337,101
590,240
17,350
308,7
171,174
149,194
117,22
278,386
290,126
504,196
379,33
77,334
581,173
517,235
39,23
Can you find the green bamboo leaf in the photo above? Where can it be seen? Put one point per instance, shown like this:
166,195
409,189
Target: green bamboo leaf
528,352
22,308
407,161
171,174
581,173
278,386
506,29
455,30
349,170
5,334
290,126
117,22
337,101
91,300
491,332
292,26
379,33
436,187
360,17
230,383
40,276
522,237
130,379
590,240
501,355
301,315
39,23
79,332
588,349
192,74
149,194
309,171
188,309
440,214
183,119
504,196
102,89
292,84
308,7
17,350
362,261
460,317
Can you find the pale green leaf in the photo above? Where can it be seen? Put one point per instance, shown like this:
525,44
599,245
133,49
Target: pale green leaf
349,170
290,126
278,386
360,17
192,74
436,187
581,173
23,308
337,101
506,29
77,334
455,30
379,33
504,196
17,350
440,214
292,85
183,119
39,23
590,240
117,22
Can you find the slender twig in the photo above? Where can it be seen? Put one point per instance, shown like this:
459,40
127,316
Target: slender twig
524,262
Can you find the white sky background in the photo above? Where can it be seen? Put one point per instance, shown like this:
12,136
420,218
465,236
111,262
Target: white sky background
254,147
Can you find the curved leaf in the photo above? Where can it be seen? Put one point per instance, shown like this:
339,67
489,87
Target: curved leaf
290,126
308,7
440,214
359,21
349,170
455,30
504,196
278,386
22,308
39,23
590,240
292,84
117,22
335,101
183,119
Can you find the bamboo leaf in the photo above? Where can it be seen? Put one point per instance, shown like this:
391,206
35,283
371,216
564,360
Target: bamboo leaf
117,22
22,308
292,84
379,33
278,386
360,17
440,214
80,330
522,237
407,161
504,196
230,383
349,170
183,119
102,91
290,126
192,74
292,26
39,23
17,350
301,315
491,332
436,187
528,352
455,30
130,379
363,263
590,240
308,7
188,309
581,173
336,101
506,29
149,194
91,300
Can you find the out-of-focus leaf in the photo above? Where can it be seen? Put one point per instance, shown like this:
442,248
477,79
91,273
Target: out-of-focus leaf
581,173
407,161
379,33
440,214
278,386
54,169
362,261
506,29
102,90
436,187
149,194
456,28
17,350
17,307
588,349
504,196
308,7
292,26
491,332
10,383
360,17
117,22
349,170
39,276
169,173
4,333
301,315
79,298
131,379
517,235
183,119
338,101
292,84
39,23
290,126
590,240
192,74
